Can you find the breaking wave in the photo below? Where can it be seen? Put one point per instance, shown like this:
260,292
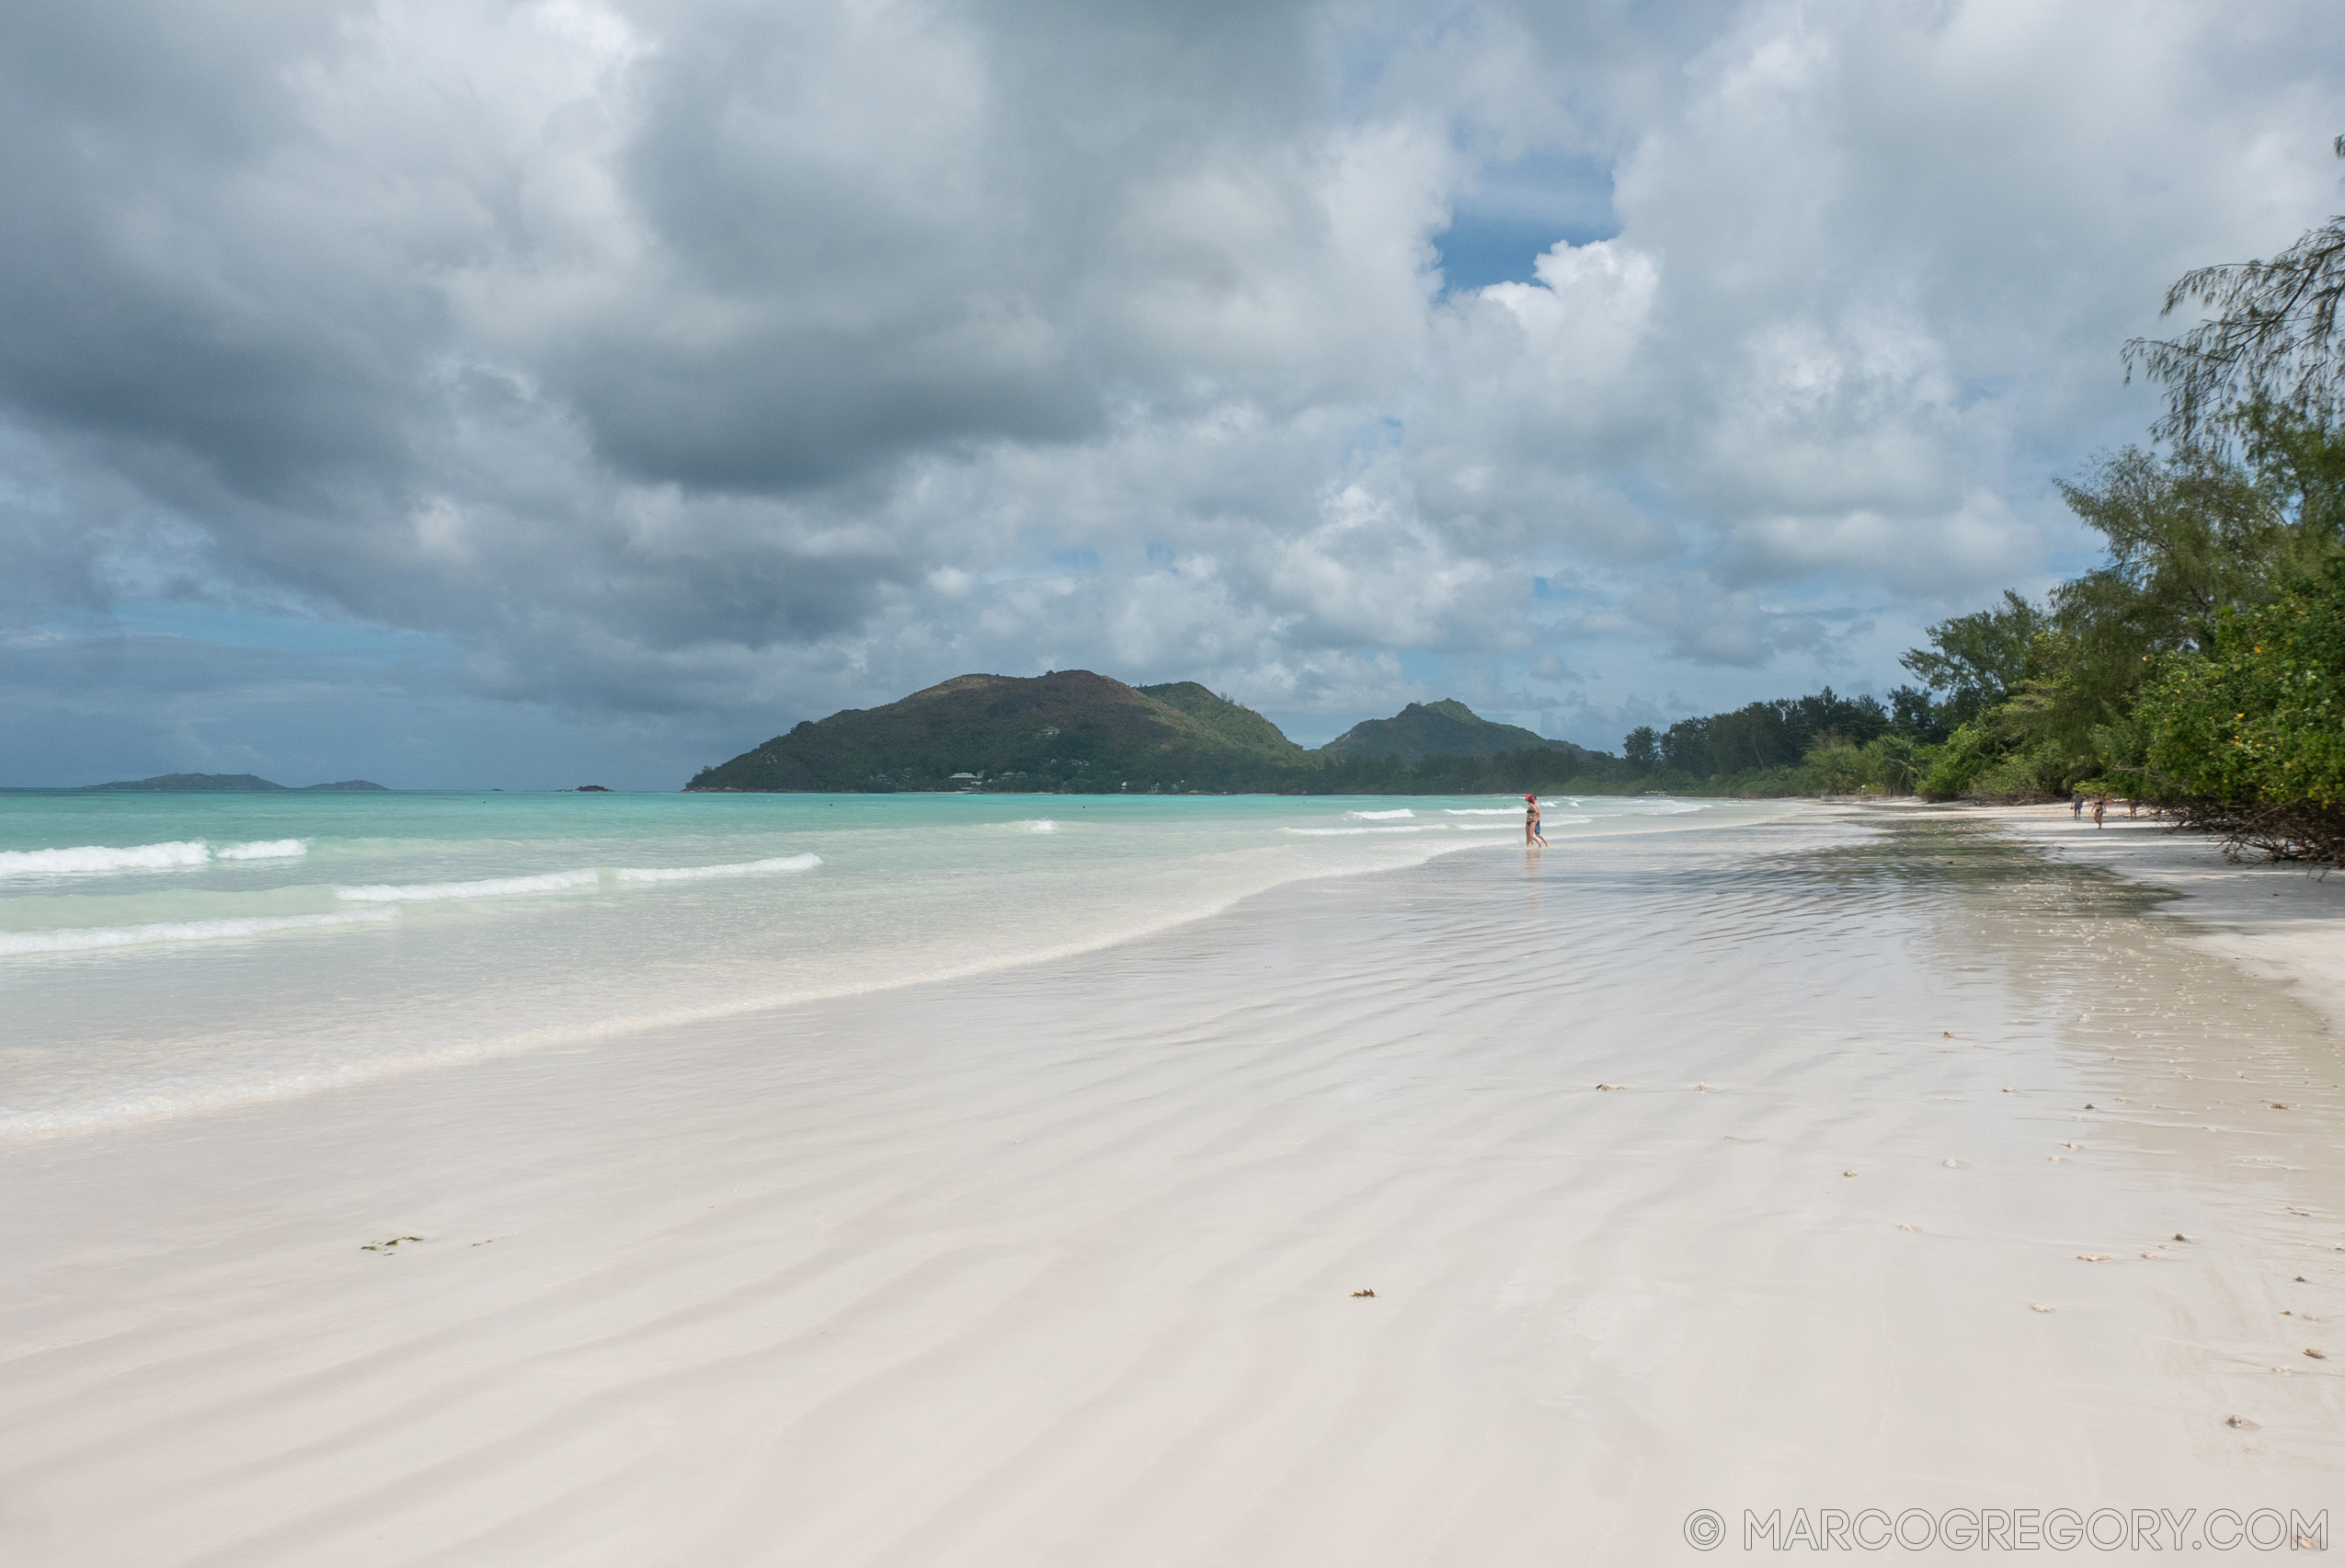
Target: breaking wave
263,849
564,881
84,938
488,887
741,868
177,855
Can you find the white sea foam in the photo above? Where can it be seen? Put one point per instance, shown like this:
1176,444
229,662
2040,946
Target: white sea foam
488,887
742,868
88,858
263,849
1043,825
73,939
85,860
564,881
1481,811
1378,816
1347,832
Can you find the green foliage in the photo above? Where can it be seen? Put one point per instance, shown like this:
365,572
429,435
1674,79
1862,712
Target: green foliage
1975,660
1912,714
1981,762
1762,739
2187,534
2260,718
1897,763
1822,744
1837,766
1959,764
2199,532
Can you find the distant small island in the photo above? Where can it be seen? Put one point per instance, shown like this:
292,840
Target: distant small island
228,784
1075,732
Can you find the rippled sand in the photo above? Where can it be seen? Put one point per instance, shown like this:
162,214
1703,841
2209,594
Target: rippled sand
1726,1170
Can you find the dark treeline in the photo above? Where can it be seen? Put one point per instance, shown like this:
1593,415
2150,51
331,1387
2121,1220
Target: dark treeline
1815,745
1546,770
1821,744
1766,743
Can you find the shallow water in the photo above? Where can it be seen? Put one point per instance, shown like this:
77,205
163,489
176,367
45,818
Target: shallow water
164,952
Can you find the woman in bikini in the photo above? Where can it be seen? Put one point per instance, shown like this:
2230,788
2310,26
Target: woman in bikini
1531,835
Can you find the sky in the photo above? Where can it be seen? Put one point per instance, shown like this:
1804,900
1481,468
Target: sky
529,393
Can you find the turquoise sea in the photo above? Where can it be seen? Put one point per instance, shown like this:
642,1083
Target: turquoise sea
160,953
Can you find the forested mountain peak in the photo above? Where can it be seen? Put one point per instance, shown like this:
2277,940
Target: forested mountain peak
1446,728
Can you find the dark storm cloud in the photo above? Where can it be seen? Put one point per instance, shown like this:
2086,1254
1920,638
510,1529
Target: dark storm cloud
170,283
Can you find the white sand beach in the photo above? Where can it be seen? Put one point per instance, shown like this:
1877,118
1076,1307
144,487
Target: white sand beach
1866,1160
2277,919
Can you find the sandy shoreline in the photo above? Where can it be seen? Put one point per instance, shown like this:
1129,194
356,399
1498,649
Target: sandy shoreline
1056,1266
2283,922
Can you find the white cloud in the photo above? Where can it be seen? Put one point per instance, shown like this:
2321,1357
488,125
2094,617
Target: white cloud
747,361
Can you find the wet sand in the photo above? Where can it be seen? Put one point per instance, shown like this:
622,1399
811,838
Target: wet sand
2285,921
1726,1171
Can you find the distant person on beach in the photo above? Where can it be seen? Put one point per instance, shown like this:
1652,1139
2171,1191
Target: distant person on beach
2076,805
2099,806
1531,835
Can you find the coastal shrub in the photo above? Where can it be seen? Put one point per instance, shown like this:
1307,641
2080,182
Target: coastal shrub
2249,737
2030,773
1887,765
1896,764
1835,766
1968,753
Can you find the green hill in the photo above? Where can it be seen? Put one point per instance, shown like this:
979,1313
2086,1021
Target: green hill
1445,728
1069,729
1241,728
